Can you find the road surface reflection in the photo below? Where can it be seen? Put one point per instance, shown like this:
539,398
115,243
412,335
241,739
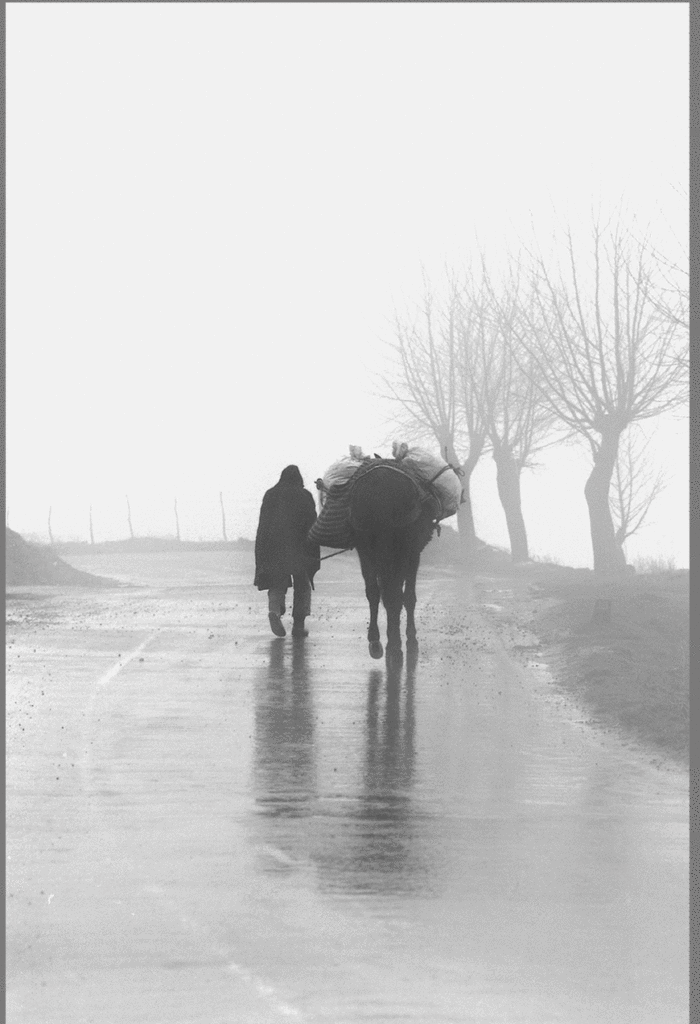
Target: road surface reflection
362,836
285,763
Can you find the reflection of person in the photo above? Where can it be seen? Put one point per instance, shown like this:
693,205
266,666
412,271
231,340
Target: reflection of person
284,760
283,554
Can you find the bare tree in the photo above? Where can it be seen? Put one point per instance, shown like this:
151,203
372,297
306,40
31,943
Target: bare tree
604,354
435,391
519,421
673,300
635,486
472,401
673,268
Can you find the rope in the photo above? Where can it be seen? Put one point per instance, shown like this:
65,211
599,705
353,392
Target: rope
334,554
439,473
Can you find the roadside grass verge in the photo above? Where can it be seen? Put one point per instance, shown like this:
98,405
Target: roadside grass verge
620,648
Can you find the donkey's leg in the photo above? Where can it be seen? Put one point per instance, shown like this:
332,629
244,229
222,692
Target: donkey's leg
409,600
393,602
369,573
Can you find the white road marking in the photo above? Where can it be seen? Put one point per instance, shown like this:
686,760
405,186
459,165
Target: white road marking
265,991
122,662
279,855
86,759
261,987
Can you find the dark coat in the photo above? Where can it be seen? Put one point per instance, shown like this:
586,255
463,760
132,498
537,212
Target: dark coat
282,549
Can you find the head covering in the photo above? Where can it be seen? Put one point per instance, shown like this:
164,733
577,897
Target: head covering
291,476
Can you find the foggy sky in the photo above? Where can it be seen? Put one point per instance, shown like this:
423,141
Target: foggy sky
214,209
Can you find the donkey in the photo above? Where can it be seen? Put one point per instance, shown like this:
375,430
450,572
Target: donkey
392,519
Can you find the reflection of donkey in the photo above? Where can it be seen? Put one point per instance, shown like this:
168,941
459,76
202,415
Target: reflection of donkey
392,519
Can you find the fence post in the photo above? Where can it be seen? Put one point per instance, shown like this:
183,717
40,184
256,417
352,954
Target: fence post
128,516
223,514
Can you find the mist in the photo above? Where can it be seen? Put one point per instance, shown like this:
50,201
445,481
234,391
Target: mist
214,210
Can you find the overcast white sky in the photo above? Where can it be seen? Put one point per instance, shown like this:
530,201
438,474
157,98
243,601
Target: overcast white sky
213,208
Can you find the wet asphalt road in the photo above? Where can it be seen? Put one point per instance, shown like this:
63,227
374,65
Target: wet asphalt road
207,824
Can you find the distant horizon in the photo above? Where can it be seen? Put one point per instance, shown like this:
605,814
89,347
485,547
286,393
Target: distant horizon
36,538
647,563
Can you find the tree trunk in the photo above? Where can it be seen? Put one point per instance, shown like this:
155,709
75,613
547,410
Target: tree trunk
508,483
465,517
608,555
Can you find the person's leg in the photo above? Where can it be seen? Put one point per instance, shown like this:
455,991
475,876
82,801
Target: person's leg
276,609
302,604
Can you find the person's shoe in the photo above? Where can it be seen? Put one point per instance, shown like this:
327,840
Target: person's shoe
276,624
298,628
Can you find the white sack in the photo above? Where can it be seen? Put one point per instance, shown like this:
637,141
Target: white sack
341,471
426,465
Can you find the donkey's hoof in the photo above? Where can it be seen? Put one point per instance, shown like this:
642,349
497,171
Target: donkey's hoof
375,648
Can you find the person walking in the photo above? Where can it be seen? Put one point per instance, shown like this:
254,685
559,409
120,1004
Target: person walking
284,556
